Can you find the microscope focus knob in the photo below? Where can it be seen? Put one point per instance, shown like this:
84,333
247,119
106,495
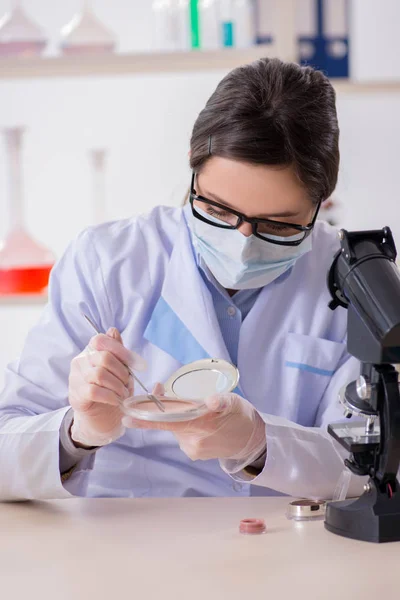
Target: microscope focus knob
363,388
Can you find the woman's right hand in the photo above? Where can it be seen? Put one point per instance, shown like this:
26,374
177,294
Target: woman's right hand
99,381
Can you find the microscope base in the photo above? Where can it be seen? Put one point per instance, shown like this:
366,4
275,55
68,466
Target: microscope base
372,518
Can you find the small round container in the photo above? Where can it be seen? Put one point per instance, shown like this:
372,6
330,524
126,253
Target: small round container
176,410
252,526
185,391
306,510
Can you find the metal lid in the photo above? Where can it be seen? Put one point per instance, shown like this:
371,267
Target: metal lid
306,509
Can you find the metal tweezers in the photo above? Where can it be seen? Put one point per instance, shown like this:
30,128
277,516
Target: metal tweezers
150,396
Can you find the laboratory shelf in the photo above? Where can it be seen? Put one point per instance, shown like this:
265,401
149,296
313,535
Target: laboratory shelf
130,64
23,299
351,86
159,63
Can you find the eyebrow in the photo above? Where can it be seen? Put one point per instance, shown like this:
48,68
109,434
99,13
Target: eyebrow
216,198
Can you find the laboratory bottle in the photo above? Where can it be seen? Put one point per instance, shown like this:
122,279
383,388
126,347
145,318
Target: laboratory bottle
181,8
244,23
209,24
163,26
25,264
227,26
170,25
86,34
19,34
195,24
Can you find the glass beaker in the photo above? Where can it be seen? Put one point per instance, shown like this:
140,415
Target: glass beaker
98,163
86,34
19,35
25,265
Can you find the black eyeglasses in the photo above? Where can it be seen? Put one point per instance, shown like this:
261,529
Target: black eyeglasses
268,230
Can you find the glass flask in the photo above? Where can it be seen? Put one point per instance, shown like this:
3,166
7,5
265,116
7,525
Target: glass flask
86,34
25,264
98,163
19,35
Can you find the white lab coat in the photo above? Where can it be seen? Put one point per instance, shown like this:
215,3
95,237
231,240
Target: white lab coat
141,276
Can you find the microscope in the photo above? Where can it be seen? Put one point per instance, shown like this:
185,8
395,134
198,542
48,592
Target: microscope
364,279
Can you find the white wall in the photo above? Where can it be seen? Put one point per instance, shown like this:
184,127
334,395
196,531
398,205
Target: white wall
146,123
370,151
375,40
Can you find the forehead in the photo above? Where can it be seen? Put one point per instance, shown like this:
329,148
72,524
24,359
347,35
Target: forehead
253,189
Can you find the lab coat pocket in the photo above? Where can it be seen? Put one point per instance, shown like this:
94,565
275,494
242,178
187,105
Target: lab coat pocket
309,364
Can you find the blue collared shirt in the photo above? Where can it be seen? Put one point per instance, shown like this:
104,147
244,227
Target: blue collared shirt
231,311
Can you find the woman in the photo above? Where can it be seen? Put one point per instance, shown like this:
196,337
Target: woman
238,274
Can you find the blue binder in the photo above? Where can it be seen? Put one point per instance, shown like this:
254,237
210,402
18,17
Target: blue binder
326,43
329,53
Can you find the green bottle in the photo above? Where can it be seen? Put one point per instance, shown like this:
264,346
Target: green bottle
195,24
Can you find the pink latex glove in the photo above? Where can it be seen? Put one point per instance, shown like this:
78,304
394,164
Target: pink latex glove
98,383
232,429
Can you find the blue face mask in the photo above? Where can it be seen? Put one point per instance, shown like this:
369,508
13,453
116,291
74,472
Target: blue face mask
239,262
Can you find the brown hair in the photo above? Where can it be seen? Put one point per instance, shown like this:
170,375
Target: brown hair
273,113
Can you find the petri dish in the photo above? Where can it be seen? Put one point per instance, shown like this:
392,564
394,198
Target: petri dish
176,409
306,510
185,392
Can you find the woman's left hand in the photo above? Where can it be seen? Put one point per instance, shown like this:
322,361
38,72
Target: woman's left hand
231,428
